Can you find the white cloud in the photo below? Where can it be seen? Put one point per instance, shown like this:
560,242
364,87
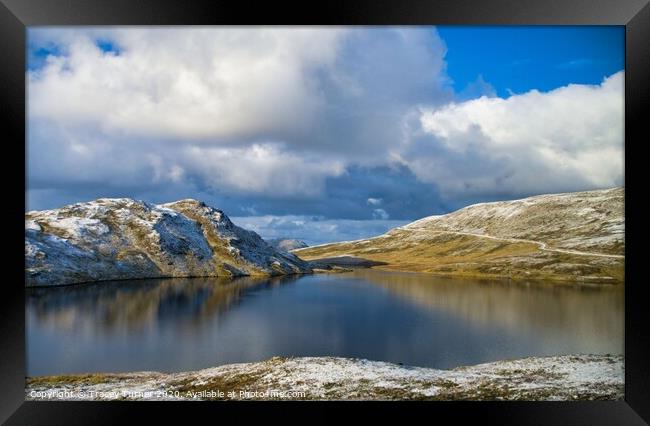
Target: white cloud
571,137
267,110
374,201
190,83
262,168
380,214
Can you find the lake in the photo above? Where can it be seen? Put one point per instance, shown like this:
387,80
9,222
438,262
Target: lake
416,319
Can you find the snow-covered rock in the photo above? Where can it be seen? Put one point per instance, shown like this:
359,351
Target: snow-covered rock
121,238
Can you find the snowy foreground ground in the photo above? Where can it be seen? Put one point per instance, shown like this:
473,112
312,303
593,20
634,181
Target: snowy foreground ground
569,377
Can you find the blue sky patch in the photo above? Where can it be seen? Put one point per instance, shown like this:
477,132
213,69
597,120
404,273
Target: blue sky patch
521,58
108,46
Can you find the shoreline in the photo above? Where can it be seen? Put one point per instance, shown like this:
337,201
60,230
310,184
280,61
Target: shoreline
460,274
553,378
334,268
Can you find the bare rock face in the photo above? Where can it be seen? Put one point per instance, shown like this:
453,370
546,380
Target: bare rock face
110,239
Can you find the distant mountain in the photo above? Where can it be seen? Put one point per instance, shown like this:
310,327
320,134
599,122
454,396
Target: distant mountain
574,236
286,244
110,239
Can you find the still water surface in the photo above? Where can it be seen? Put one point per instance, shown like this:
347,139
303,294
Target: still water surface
414,319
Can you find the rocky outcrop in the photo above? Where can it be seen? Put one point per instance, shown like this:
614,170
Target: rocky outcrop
113,239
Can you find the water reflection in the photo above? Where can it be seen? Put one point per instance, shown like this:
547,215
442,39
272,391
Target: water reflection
543,309
127,306
188,324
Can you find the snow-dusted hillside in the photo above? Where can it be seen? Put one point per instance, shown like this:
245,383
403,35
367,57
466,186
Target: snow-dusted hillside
556,378
121,238
577,235
287,244
591,221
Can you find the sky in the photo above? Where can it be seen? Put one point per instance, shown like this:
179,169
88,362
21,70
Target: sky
322,133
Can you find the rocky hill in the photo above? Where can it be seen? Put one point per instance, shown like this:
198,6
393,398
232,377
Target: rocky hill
574,236
287,244
110,239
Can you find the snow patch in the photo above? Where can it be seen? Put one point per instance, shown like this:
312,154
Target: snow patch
565,377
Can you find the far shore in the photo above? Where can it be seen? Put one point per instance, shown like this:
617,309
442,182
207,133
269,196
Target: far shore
348,262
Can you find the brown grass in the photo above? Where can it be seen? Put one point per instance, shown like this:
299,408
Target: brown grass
71,379
472,257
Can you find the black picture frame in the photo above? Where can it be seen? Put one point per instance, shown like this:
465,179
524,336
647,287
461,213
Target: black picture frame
16,15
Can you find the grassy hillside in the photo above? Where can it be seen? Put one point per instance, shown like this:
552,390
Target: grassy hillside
575,236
